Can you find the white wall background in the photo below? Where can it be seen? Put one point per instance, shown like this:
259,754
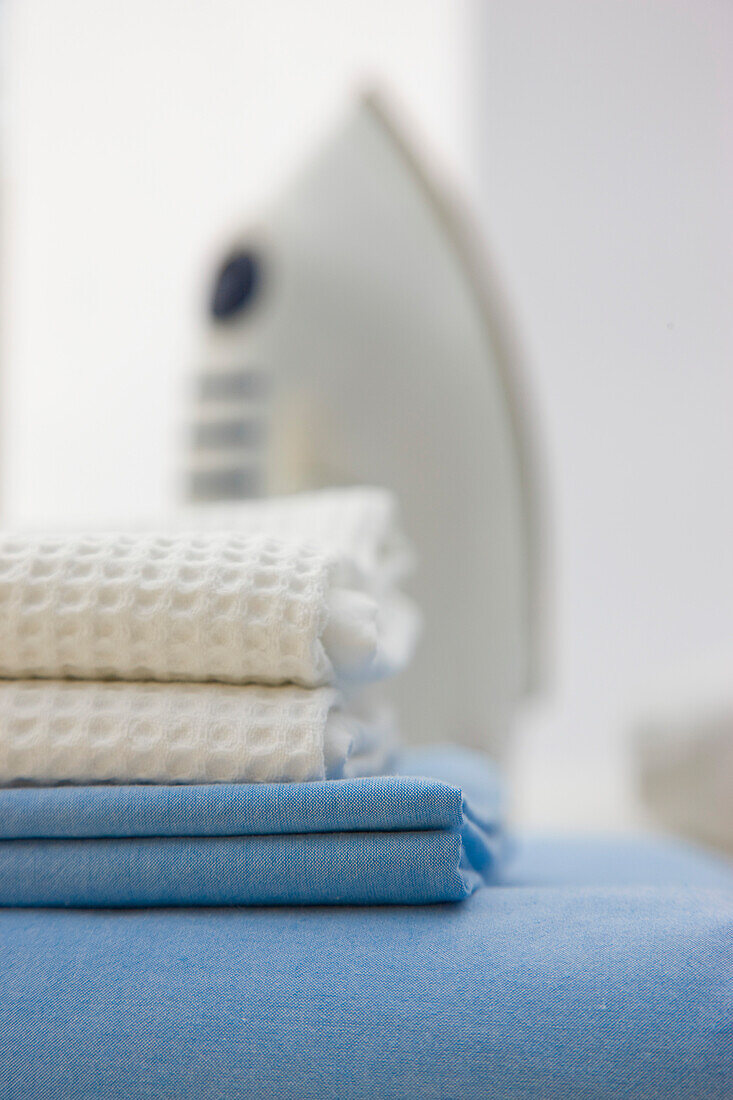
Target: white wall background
606,175
593,140
136,133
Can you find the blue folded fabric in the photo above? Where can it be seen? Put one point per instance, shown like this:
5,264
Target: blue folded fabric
393,839
603,972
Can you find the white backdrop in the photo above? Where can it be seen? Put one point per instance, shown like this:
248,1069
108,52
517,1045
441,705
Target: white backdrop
606,175
136,133
590,138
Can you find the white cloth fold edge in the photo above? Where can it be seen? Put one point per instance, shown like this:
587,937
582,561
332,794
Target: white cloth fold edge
120,732
360,527
226,607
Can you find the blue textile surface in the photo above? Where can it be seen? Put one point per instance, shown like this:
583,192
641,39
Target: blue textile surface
559,990
612,861
404,801
393,839
382,868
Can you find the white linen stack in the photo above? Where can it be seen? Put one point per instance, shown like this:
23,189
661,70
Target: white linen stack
244,651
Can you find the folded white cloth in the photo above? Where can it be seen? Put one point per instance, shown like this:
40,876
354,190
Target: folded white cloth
359,527
234,608
299,592
92,732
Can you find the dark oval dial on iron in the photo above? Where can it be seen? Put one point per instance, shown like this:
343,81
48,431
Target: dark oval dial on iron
237,284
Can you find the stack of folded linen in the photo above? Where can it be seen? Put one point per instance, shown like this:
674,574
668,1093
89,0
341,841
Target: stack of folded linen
211,697
381,840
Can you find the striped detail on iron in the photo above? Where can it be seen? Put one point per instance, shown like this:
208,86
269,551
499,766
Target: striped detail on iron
226,483
226,441
242,384
229,432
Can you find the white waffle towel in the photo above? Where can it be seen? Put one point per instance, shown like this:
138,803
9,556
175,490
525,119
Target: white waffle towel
77,732
235,608
359,527
299,592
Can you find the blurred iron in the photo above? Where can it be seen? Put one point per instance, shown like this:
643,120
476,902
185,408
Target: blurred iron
352,340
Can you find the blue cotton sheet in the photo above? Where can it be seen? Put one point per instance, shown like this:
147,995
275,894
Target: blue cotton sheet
602,970
393,839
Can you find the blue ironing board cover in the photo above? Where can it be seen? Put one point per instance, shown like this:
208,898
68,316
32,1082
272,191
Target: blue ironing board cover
599,969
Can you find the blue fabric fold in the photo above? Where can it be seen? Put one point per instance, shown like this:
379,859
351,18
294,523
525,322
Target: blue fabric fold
603,972
406,839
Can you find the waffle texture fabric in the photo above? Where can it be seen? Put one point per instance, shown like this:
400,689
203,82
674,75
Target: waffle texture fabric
206,606
386,840
615,981
359,527
68,731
